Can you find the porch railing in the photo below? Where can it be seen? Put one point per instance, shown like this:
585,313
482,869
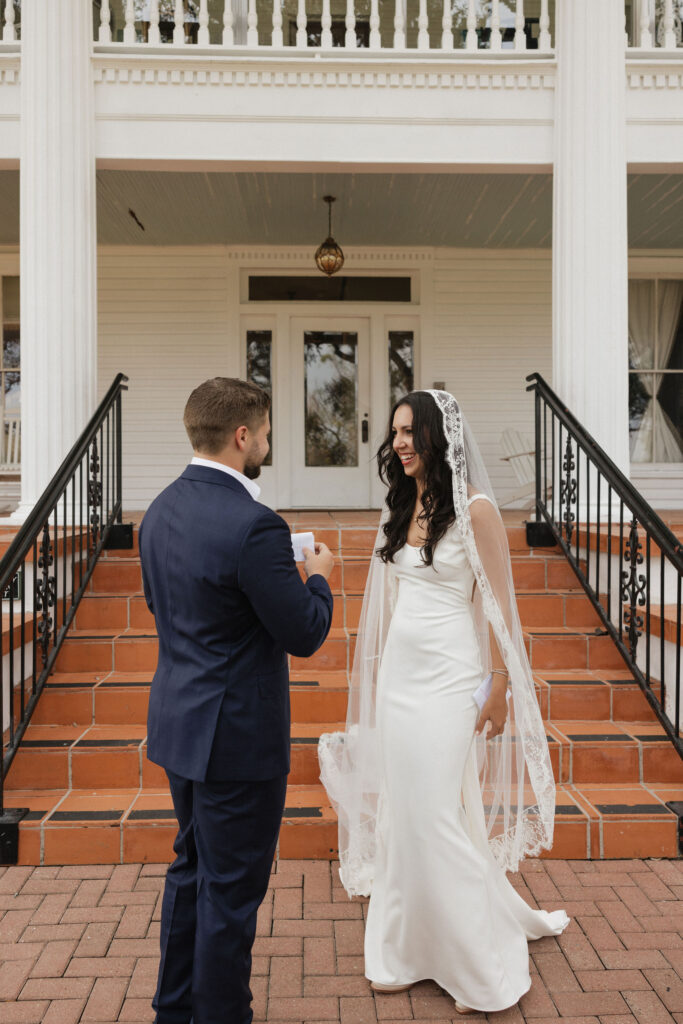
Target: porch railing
627,560
44,574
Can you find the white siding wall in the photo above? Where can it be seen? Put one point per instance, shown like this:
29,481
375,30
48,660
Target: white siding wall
168,317
491,327
164,321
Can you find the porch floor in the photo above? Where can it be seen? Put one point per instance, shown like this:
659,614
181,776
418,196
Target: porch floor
81,943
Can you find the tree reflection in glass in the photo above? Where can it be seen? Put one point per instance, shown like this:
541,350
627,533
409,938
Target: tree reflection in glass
401,365
259,371
330,398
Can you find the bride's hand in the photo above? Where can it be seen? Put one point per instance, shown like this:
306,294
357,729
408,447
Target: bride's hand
495,711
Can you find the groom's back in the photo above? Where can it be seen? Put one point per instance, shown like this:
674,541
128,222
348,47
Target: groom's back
212,645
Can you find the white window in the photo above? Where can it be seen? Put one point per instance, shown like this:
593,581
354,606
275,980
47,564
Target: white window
655,330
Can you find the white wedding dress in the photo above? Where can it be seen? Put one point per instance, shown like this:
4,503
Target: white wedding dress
440,908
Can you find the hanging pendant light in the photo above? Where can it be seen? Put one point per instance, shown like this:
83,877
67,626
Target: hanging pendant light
329,257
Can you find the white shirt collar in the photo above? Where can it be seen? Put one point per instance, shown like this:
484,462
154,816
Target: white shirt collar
252,487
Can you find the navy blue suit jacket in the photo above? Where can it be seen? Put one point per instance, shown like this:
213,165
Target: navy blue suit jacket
220,578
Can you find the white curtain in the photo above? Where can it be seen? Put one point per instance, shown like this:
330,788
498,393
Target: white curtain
656,439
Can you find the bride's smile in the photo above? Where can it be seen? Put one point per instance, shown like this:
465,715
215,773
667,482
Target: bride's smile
402,433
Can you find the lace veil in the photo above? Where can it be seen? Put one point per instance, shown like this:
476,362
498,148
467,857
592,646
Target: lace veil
514,803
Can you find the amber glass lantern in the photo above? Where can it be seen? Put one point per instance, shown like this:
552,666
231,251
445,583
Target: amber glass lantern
329,257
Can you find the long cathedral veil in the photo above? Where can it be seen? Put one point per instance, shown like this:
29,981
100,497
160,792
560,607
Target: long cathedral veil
514,804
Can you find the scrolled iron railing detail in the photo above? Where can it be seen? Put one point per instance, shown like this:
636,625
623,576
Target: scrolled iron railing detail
56,551
629,563
94,494
46,593
568,489
633,588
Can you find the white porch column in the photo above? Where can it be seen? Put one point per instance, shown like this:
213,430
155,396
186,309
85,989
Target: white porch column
590,244
57,237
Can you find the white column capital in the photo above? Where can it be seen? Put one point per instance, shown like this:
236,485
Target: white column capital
590,242
57,237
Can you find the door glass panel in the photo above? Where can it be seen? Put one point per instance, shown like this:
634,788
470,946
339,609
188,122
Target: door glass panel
331,398
401,365
259,371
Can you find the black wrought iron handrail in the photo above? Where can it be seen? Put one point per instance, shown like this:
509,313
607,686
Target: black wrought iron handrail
584,499
45,571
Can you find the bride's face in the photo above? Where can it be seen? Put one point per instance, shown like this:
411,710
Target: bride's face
402,433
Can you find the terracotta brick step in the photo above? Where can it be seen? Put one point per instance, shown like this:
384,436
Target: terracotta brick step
69,826
606,821
118,698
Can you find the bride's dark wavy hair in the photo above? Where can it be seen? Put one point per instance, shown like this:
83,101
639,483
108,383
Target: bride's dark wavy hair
430,444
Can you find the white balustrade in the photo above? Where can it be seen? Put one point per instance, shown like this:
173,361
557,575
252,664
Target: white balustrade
350,41
375,37
277,38
153,33
203,32
544,38
228,24
399,26
129,27
520,35
179,24
446,27
426,37
496,36
669,34
104,33
252,24
301,34
472,40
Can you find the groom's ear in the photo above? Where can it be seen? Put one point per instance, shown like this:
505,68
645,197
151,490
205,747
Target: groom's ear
241,436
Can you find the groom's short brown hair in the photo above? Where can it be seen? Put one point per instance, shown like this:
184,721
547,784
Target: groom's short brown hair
218,407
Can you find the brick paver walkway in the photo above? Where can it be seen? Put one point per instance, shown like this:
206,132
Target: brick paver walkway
81,943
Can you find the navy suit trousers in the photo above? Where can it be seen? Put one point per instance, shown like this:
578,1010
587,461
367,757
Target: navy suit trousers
224,853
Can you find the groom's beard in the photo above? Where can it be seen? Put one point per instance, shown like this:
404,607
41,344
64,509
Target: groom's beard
252,471
252,466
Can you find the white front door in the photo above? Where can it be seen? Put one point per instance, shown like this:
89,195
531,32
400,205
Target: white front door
331,456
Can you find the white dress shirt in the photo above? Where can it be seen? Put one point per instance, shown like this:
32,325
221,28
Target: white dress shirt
252,487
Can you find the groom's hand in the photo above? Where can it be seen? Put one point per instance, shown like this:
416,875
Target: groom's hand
320,562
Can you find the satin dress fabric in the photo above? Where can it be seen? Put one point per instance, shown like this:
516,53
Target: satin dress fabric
441,908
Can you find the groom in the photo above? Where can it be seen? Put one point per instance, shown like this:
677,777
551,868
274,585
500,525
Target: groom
220,578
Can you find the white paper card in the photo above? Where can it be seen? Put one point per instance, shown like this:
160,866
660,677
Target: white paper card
301,541
483,692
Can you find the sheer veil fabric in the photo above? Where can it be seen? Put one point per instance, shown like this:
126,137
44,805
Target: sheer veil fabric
513,805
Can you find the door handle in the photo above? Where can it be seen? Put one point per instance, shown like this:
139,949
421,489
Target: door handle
365,430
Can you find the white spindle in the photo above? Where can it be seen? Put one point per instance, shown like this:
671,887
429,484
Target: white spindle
350,41
446,27
179,23
544,42
203,33
645,40
129,24
399,26
104,34
375,38
228,24
422,26
301,35
252,24
153,34
326,26
669,34
472,42
520,37
496,37
277,39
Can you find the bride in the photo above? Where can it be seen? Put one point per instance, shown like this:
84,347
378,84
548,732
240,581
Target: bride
442,779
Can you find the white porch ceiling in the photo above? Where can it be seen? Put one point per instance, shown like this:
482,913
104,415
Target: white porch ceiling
477,210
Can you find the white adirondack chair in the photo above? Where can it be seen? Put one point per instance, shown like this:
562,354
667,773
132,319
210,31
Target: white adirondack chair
519,452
